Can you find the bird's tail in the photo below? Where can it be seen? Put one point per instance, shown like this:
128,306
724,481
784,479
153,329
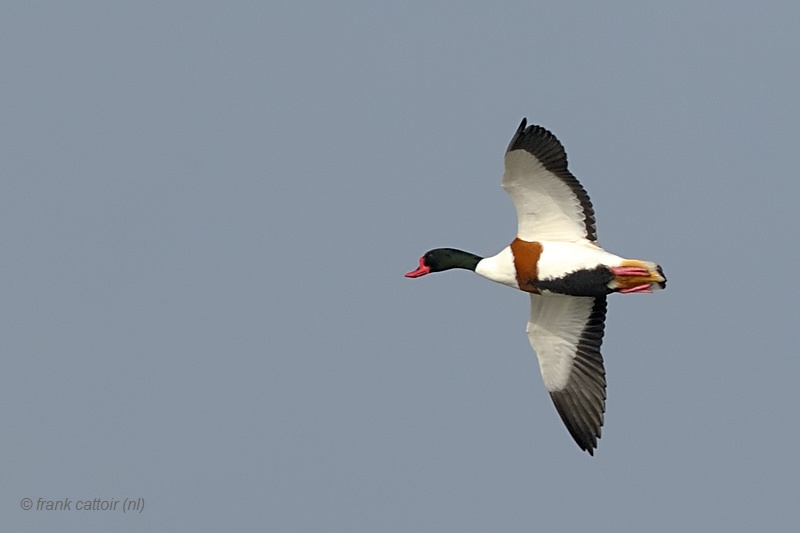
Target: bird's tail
637,276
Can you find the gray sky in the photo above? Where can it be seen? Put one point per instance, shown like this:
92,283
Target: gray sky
207,211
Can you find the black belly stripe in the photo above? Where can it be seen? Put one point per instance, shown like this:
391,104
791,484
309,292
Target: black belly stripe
586,282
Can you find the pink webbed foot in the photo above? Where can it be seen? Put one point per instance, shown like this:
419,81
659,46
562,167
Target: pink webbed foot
644,287
630,271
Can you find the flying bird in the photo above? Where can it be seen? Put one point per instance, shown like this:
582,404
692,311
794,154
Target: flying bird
556,258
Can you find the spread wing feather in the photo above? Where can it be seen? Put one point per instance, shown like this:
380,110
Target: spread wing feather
551,204
566,332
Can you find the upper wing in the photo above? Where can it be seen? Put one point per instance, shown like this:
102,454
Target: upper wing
566,332
551,204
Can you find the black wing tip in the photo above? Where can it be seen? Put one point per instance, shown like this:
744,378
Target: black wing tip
534,139
584,433
520,131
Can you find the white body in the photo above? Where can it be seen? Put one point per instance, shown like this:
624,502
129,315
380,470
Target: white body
499,268
557,260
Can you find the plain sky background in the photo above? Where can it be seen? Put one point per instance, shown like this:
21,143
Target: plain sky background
206,213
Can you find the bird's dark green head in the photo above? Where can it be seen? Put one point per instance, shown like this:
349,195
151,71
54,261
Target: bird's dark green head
442,259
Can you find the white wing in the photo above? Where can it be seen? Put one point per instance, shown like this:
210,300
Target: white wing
566,332
551,204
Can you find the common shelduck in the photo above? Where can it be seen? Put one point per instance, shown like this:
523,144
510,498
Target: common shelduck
556,258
